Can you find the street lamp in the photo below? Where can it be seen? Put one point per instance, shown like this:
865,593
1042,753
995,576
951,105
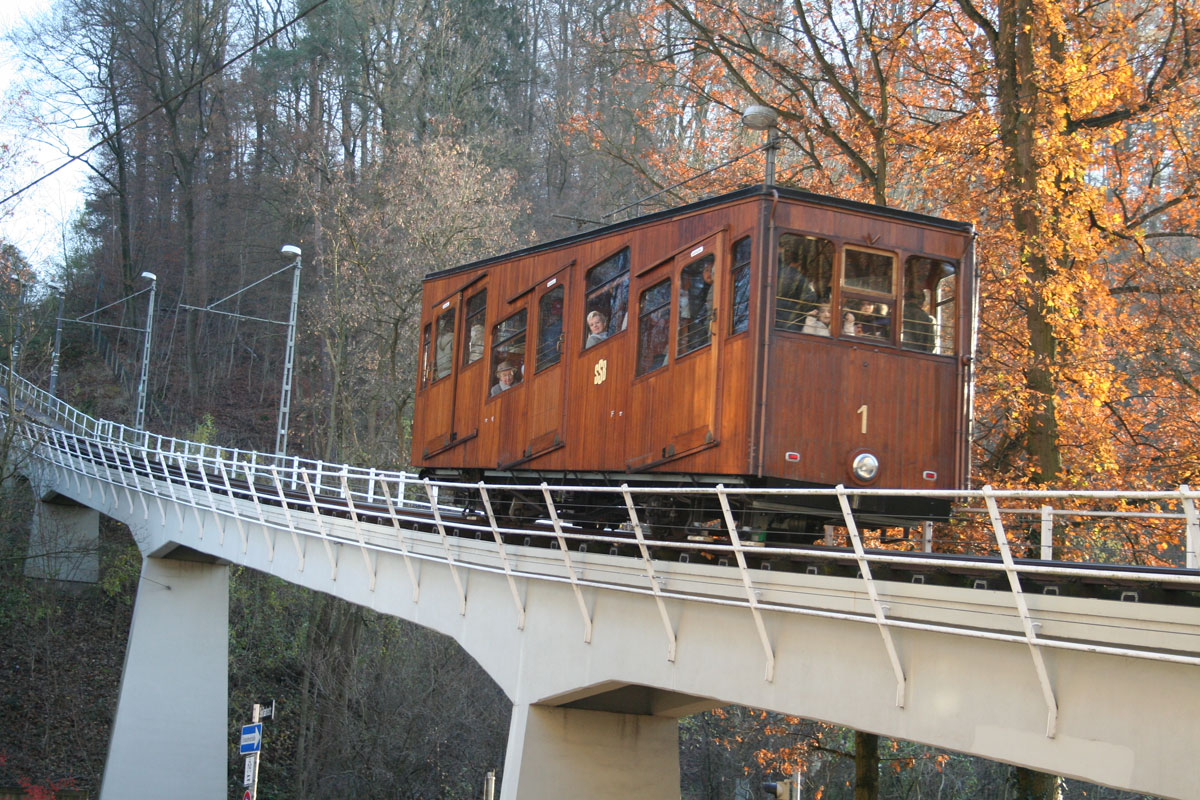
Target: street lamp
57,339
285,393
140,422
765,118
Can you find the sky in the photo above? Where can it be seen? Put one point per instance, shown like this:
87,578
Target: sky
35,221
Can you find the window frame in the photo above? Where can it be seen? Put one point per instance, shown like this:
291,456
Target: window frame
680,333
668,304
538,365
735,267
834,277
469,317
452,312
497,342
608,285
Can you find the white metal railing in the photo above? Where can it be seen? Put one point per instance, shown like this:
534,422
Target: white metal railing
1140,539
1145,528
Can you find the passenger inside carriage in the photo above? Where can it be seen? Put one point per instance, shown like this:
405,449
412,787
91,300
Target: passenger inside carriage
607,294
508,352
874,319
817,323
597,328
917,332
803,282
506,375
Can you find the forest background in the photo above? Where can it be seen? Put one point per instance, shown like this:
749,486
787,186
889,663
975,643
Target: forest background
389,138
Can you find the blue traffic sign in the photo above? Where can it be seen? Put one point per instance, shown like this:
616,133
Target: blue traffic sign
251,738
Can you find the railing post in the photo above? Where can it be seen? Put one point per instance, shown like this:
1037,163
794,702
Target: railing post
654,587
358,531
316,510
1047,533
412,574
512,584
566,554
1192,521
262,520
1014,582
751,592
162,460
927,536
873,593
237,517
287,515
432,492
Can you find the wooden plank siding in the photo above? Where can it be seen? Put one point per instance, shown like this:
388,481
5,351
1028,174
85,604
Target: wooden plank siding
700,412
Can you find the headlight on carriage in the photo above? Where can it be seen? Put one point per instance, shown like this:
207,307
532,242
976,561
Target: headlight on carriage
865,467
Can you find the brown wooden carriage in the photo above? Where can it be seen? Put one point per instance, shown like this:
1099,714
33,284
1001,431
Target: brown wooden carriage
765,337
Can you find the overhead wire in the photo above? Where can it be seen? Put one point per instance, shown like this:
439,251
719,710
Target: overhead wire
159,106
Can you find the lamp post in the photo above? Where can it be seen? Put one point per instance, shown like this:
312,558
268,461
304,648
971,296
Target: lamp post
16,344
140,421
764,118
57,340
285,393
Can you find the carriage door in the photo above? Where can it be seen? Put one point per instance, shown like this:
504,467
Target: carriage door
547,386
439,376
676,377
507,396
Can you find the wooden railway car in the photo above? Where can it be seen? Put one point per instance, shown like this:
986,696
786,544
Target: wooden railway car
766,337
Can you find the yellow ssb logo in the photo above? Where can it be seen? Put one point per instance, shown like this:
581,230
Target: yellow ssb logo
601,372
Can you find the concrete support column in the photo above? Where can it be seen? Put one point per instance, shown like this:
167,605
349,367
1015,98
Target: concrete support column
64,542
590,755
170,736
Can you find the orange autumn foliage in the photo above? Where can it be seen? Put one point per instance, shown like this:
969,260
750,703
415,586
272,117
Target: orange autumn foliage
1063,130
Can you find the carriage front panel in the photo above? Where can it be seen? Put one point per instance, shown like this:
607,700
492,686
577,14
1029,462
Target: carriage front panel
830,400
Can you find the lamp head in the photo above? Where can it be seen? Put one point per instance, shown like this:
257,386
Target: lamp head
149,276
290,250
760,118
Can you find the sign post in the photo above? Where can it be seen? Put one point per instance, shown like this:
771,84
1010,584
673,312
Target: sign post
250,746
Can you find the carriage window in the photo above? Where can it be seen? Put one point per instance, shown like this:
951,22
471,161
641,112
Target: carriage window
695,305
930,289
508,353
550,327
426,340
607,286
443,361
867,271
654,319
805,275
740,317
476,309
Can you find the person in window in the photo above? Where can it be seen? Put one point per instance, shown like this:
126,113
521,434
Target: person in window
850,326
598,327
475,343
817,323
873,319
445,350
916,331
797,294
506,373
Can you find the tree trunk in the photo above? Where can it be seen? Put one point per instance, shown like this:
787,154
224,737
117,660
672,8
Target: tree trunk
1029,784
866,766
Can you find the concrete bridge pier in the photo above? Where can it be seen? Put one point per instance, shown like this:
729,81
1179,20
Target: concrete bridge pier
592,755
170,737
64,541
